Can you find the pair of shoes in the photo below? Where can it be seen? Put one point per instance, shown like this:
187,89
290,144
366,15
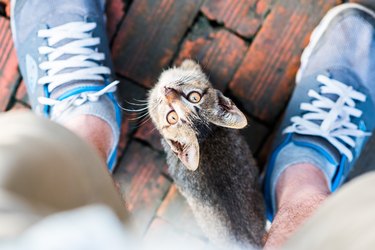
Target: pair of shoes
65,60
329,115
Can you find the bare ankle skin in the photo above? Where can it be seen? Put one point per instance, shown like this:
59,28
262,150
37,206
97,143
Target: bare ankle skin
93,130
299,192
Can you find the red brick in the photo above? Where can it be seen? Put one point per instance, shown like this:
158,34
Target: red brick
126,130
163,235
142,183
266,77
9,75
115,10
147,132
149,37
176,211
242,16
218,51
130,94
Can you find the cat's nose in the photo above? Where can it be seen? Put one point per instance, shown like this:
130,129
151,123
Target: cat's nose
171,94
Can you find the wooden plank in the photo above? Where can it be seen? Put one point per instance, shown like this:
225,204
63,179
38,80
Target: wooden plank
176,211
126,131
147,132
266,77
115,11
9,75
241,16
163,235
141,182
130,94
149,37
217,50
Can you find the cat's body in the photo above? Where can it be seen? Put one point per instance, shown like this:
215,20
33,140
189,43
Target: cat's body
208,159
223,192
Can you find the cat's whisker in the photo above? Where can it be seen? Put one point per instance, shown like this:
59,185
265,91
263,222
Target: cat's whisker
122,108
140,117
137,100
147,113
131,110
153,108
186,78
144,122
136,104
146,117
152,130
135,110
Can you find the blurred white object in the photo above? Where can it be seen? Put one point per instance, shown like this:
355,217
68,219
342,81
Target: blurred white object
93,227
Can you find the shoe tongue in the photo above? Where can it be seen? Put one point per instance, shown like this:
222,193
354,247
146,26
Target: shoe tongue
64,18
345,76
320,144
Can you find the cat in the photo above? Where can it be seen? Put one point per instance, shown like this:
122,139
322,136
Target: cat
208,159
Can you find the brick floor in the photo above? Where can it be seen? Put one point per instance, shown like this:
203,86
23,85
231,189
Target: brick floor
250,49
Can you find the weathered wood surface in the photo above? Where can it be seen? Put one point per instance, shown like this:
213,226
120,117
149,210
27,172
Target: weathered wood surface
149,37
265,79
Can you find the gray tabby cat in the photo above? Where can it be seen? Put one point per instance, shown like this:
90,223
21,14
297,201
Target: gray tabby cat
208,159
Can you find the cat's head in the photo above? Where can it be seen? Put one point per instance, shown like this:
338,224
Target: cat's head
183,104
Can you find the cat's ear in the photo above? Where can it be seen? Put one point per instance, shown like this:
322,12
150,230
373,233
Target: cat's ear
189,64
226,114
187,152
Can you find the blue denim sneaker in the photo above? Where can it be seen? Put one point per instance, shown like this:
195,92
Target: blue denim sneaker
329,117
65,60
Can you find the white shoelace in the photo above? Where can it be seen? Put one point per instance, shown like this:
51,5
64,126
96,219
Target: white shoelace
84,58
335,125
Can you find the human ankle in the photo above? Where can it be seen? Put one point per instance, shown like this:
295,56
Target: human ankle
300,190
301,182
93,130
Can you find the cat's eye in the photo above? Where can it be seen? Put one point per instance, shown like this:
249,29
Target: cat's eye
194,97
172,117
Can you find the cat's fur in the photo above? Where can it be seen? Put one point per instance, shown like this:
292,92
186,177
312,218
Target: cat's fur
212,166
